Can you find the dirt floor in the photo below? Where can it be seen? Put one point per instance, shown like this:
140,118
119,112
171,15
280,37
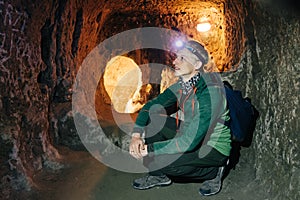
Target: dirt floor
85,178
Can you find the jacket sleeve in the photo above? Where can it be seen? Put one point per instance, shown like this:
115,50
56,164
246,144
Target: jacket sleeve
192,134
165,100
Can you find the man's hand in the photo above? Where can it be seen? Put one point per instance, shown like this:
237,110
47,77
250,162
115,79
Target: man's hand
144,151
137,147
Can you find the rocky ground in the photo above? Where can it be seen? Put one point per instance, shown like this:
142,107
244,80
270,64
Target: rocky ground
85,178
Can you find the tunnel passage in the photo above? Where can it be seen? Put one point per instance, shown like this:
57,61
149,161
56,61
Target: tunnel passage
43,44
224,39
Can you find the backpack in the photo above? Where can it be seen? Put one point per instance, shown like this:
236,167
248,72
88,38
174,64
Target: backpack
243,116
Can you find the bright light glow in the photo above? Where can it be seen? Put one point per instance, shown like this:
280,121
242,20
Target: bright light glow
203,27
122,82
179,43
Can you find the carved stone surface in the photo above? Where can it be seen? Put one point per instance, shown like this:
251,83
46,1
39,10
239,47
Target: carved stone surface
43,44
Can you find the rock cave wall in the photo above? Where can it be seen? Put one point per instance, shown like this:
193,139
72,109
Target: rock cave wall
274,82
43,43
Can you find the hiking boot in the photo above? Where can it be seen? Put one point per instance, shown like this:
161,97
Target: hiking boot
213,186
149,181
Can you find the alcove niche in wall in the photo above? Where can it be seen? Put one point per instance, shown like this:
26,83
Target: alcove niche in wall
122,81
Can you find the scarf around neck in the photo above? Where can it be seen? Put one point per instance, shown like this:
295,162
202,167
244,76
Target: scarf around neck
190,84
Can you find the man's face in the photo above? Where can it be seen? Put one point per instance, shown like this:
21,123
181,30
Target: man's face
184,64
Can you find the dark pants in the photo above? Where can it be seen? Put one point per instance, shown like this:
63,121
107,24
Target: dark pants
201,164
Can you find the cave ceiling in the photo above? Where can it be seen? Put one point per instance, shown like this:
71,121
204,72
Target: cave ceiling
225,41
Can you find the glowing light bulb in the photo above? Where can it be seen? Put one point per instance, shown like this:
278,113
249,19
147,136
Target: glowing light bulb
203,27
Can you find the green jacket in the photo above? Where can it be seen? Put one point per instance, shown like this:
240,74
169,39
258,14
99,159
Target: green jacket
202,109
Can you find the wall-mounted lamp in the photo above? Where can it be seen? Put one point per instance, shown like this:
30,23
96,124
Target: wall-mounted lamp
203,26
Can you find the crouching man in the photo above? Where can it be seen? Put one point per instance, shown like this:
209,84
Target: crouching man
195,147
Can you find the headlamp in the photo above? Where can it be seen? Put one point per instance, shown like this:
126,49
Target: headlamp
179,44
